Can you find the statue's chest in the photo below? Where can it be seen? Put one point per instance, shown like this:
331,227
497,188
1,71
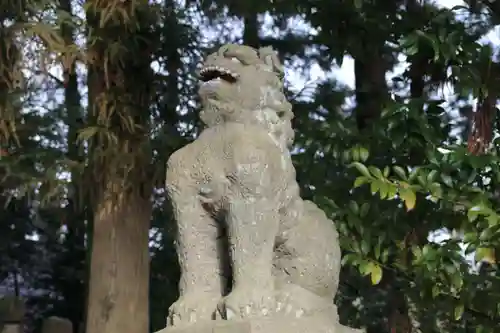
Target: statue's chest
212,189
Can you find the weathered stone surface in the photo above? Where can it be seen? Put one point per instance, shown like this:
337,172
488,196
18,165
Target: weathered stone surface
248,245
57,325
12,328
12,311
312,324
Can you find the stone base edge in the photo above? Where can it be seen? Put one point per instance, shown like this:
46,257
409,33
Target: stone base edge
312,324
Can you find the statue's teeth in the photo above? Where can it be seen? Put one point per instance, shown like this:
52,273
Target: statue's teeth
219,69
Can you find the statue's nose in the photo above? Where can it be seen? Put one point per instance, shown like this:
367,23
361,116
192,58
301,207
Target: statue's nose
213,57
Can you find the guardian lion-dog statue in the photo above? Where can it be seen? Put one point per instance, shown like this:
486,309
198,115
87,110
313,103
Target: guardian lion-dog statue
248,245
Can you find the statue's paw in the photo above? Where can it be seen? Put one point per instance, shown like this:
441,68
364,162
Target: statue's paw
193,307
290,307
248,302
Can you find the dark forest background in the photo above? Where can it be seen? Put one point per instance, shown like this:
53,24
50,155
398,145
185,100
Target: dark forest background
95,95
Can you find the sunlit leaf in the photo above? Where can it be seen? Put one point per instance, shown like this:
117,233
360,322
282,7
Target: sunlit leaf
400,172
375,273
485,254
409,197
362,169
459,311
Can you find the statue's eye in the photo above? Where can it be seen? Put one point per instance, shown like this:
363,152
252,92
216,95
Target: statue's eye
234,59
233,55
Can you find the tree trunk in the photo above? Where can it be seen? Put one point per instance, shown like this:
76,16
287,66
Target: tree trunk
482,121
371,86
249,12
120,155
73,287
118,293
251,30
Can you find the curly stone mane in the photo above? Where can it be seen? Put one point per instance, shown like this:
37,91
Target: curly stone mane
241,84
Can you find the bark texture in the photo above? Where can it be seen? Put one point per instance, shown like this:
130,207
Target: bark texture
118,293
120,156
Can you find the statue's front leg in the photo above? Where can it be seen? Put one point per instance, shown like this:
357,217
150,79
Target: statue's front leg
252,225
202,279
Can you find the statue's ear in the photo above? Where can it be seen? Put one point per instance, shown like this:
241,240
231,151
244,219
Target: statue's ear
270,58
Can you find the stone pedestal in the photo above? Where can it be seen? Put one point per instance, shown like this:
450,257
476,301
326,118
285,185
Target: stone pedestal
12,311
313,324
57,325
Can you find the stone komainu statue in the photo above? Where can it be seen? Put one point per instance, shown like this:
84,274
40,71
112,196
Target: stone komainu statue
248,245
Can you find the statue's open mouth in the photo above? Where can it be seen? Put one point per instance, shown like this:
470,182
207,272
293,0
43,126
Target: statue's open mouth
210,73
